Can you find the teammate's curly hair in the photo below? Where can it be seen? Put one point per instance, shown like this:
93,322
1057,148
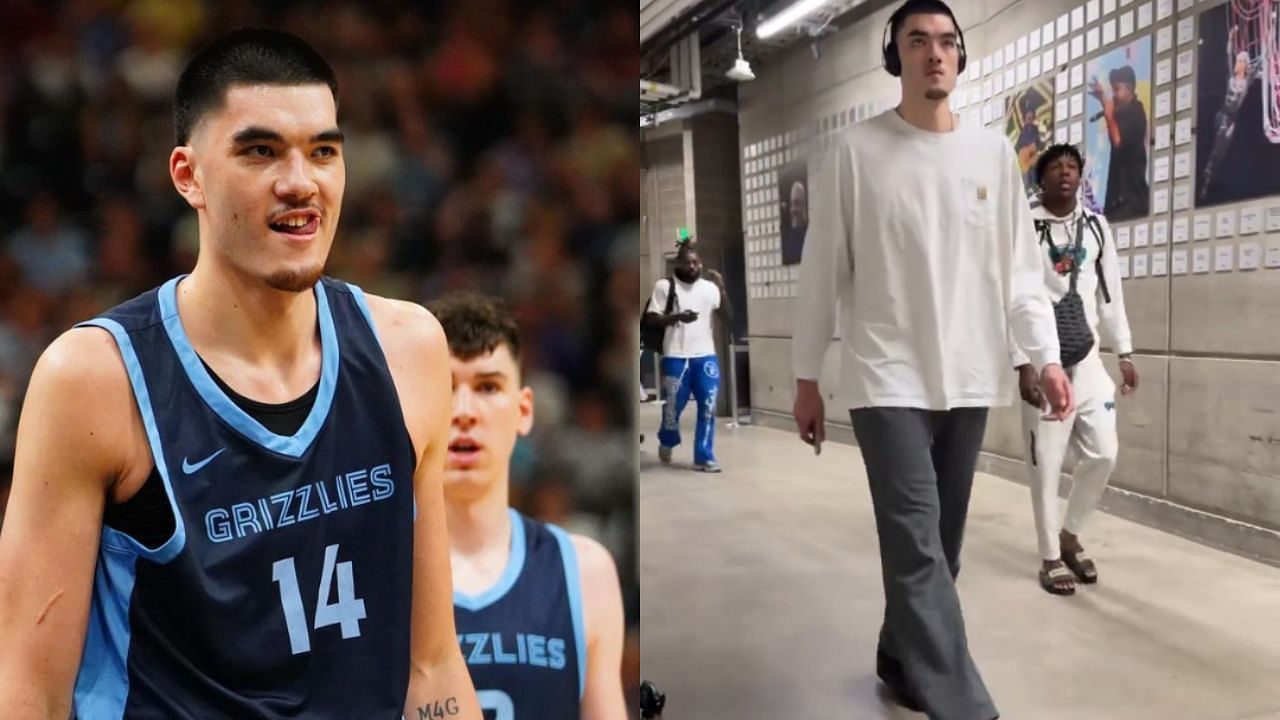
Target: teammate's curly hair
1053,152
476,324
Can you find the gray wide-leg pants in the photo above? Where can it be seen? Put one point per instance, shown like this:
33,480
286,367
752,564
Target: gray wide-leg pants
920,465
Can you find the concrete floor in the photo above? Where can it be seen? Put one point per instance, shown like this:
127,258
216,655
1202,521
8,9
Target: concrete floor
761,598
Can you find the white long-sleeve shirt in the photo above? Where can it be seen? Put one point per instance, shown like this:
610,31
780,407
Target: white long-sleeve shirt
926,242
1108,320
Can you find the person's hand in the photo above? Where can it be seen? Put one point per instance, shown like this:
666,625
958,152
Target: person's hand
687,316
810,414
1095,89
1029,386
1130,375
1057,390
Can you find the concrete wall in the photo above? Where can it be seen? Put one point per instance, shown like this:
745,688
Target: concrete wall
690,177
1201,438
664,201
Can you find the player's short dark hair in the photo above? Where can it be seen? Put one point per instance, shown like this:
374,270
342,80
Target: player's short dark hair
476,324
1053,152
244,57
912,8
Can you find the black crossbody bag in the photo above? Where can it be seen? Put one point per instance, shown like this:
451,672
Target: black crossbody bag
1075,337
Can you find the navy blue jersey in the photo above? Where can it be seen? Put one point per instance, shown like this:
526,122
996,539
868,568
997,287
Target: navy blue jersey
523,639
285,589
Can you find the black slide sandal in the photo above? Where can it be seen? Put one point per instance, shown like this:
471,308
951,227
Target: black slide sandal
1082,565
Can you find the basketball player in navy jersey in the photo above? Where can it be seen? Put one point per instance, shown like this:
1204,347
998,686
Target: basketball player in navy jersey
538,611
227,496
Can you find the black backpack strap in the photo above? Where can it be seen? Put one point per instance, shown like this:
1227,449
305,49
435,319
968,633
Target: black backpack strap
1096,228
1075,266
671,295
1046,235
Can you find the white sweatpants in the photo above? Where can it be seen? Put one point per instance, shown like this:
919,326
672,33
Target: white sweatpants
1091,434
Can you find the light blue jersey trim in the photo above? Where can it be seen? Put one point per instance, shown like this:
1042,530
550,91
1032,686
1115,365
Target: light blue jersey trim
231,413
573,580
102,684
118,540
515,563
361,303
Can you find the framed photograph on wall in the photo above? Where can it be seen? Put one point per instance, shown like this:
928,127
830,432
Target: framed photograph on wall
793,205
1238,108
1028,123
1117,135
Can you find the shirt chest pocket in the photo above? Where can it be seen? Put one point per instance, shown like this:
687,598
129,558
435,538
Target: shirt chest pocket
977,200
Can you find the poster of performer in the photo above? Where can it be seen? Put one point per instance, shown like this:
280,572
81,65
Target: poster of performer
1117,132
793,192
1028,123
1235,159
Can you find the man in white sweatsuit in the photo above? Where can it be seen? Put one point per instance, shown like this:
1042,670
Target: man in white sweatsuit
920,233
1091,432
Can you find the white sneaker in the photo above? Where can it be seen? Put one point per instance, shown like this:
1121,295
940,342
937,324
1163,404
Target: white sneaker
711,467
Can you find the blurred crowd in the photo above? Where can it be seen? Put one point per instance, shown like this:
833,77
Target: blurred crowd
490,145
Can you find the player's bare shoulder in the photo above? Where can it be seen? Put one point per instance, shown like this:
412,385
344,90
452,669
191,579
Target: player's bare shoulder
601,596
596,566
80,390
417,354
406,330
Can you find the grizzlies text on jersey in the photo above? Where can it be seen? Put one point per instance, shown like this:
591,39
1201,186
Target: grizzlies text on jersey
285,589
523,639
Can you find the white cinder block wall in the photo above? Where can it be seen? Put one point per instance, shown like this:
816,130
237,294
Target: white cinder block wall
1200,444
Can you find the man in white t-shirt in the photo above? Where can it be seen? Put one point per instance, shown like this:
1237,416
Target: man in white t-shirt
1072,236
921,232
689,365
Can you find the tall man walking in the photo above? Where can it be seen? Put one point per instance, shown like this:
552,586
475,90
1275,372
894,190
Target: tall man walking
921,231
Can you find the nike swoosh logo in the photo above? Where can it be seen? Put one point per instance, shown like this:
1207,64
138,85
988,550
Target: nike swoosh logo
189,468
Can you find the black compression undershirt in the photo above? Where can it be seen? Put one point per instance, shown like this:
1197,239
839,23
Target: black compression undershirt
147,518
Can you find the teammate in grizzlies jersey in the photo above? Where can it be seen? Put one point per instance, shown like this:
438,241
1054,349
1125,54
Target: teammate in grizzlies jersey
538,611
227,497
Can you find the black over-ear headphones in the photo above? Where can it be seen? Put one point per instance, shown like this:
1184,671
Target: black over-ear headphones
889,45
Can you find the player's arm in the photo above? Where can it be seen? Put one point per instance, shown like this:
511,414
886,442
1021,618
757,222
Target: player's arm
602,698
1112,317
439,685
1032,328
78,414
826,263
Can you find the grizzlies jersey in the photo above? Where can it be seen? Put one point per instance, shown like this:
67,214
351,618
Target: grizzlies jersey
284,590
523,639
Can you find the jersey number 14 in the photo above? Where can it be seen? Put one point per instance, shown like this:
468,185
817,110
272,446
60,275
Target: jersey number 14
347,612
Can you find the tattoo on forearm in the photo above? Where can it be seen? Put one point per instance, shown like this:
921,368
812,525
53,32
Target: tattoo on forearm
438,709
